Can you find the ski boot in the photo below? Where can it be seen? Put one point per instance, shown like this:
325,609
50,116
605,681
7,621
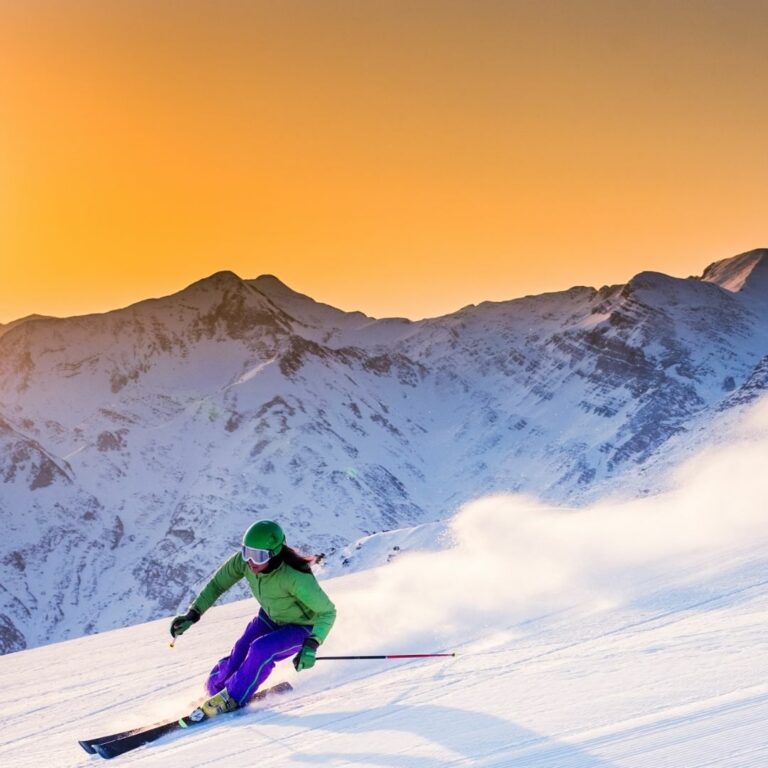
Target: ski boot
217,705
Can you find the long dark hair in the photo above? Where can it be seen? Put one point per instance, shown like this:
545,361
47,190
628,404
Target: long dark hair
296,561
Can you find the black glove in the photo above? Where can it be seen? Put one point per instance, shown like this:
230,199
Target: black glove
305,658
182,623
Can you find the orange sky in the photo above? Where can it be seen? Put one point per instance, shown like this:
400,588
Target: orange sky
402,157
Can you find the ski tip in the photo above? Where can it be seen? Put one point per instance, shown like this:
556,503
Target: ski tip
87,747
102,751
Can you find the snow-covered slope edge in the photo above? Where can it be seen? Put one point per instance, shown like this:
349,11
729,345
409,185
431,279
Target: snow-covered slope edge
616,637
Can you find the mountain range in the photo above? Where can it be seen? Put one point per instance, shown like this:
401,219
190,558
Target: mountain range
137,445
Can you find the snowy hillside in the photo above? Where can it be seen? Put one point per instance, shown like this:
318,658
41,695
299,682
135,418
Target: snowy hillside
620,636
136,446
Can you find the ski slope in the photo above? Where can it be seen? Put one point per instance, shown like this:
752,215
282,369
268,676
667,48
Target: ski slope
624,635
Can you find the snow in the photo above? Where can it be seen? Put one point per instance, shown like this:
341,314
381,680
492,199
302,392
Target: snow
621,635
254,371
742,272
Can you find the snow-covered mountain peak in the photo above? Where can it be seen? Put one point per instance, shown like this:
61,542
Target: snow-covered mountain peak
649,280
222,279
214,287
141,442
222,305
286,297
273,286
310,314
745,272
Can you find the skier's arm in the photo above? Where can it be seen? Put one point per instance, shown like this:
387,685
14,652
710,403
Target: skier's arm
228,574
311,594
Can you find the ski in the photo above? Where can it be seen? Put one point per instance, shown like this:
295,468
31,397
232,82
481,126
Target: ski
140,737
125,741
89,745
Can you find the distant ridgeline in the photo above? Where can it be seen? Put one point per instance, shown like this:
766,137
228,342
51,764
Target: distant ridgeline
136,445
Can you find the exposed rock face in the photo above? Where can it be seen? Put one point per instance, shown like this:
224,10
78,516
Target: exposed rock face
135,446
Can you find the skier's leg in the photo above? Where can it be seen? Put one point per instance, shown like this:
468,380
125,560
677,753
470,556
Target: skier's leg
258,626
260,661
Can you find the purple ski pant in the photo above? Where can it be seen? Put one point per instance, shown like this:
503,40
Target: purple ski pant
254,655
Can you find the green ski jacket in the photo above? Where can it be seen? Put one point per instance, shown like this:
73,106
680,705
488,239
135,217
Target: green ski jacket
288,596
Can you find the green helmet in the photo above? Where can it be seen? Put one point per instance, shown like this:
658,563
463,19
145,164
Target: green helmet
262,541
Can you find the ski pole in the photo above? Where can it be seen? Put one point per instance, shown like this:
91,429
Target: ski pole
389,656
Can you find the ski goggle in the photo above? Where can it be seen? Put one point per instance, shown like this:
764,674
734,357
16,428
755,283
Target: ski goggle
256,556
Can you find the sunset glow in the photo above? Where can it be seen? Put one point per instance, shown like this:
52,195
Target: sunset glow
400,158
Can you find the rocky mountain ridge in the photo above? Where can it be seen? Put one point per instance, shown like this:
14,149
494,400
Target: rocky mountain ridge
136,445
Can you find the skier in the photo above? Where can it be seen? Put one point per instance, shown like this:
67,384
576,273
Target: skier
295,616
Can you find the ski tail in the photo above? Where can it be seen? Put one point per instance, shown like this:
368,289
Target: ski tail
283,687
